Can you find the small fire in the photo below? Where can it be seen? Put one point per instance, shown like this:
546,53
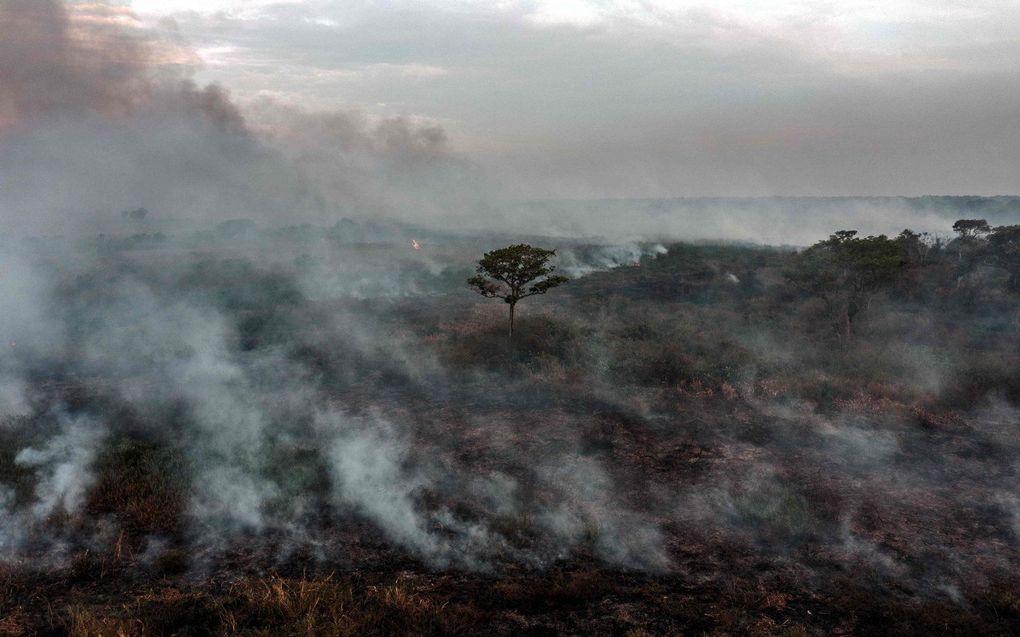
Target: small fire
415,244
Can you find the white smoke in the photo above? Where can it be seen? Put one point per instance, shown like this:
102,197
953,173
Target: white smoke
578,262
588,511
368,474
63,466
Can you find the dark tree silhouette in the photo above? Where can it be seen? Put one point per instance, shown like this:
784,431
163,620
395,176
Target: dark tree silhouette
971,228
138,214
514,273
971,232
1003,250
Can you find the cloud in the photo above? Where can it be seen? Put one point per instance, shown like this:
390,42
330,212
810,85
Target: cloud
619,98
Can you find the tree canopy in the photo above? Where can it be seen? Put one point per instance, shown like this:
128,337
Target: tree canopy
514,273
971,228
1003,251
846,270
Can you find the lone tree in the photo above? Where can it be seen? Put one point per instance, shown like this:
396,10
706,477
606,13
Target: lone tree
971,232
514,273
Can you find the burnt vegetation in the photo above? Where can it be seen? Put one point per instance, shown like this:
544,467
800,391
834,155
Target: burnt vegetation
712,439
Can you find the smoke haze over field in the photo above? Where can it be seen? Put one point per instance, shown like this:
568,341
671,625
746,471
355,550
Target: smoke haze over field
103,108
101,112
167,362
242,346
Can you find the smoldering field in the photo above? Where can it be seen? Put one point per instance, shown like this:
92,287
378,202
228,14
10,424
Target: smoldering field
258,409
280,392
200,428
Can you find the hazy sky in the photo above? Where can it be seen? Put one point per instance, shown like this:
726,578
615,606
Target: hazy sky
584,98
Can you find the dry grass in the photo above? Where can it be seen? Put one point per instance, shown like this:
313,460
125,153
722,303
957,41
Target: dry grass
143,484
569,602
14,622
329,607
272,605
87,622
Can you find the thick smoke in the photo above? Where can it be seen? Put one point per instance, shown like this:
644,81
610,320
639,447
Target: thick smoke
55,63
98,115
63,467
397,168
163,352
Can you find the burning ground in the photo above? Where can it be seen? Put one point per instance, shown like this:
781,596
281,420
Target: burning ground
306,423
203,435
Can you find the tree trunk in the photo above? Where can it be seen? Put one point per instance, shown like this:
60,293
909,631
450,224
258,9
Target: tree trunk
847,326
512,319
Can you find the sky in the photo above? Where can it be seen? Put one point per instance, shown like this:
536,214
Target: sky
341,106
621,98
